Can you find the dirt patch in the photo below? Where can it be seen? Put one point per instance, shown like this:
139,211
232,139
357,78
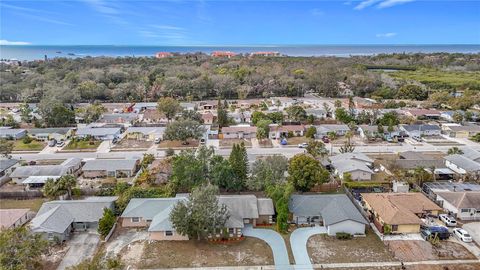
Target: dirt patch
167,254
418,250
32,204
133,144
414,267
267,143
328,249
226,143
177,144
52,260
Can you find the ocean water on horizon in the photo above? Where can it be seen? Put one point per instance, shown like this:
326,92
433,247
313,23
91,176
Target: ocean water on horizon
36,52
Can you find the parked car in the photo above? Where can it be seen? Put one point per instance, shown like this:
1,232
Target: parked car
448,220
157,140
462,235
60,143
416,138
283,141
303,145
325,139
52,143
441,231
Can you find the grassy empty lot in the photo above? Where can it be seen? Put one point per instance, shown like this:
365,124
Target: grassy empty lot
297,140
328,249
422,250
78,145
32,146
267,143
33,204
192,253
131,143
231,142
435,78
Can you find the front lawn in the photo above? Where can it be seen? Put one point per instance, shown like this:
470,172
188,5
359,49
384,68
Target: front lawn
79,145
227,143
297,140
19,145
267,143
32,204
132,143
328,249
192,253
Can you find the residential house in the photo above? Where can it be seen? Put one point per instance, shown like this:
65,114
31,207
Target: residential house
6,168
471,154
464,205
336,212
279,131
56,220
358,165
23,173
13,218
423,113
143,106
410,160
448,115
208,105
188,106
461,131
317,113
239,132
159,55
421,130
208,118
98,133
154,213
367,132
145,133
100,168
12,133
324,130
153,117
125,119
462,165
284,102
226,54
398,213
45,134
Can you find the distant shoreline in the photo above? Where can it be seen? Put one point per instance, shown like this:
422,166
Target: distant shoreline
38,52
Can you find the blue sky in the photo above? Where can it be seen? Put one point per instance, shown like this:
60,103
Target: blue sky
176,22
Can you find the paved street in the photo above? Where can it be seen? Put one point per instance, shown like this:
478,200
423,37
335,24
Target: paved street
298,243
275,241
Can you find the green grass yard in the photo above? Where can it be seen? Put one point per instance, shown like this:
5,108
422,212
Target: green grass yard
74,145
32,146
439,79
32,204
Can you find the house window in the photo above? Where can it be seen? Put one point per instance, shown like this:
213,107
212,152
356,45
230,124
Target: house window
465,210
168,233
135,219
231,230
394,228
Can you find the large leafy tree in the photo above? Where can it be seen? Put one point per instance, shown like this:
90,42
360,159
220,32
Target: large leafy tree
183,130
296,113
316,149
169,106
263,129
201,215
267,171
187,171
343,116
223,176
59,116
305,172
21,249
222,115
6,147
105,224
239,161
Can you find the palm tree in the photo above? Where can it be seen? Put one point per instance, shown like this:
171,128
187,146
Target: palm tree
455,151
331,136
62,185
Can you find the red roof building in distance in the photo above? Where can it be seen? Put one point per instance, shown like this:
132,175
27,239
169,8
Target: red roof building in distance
265,54
227,54
163,54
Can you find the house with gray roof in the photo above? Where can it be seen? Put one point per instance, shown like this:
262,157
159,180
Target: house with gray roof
6,168
358,165
421,130
471,154
125,119
462,165
324,130
22,173
154,213
334,211
99,133
145,133
12,133
56,220
45,134
100,168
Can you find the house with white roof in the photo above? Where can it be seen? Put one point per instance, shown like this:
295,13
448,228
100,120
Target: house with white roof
12,133
100,168
358,165
35,176
462,165
324,130
145,133
98,133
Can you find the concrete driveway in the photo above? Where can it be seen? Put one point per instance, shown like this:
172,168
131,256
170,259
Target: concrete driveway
82,246
115,245
298,243
474,229
276,243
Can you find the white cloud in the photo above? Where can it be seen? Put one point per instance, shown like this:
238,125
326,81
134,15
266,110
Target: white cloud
391,3
8,42
386,35
380,3
317,12
167,27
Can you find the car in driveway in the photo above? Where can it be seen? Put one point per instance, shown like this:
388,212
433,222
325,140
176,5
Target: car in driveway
52,143
430,231
60,143
303,145
448,220
462,235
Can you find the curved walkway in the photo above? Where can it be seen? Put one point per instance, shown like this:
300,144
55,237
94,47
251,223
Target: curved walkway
298,242
276,243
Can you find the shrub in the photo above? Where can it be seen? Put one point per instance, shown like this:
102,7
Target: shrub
26,140
105,224
170,152
343,236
